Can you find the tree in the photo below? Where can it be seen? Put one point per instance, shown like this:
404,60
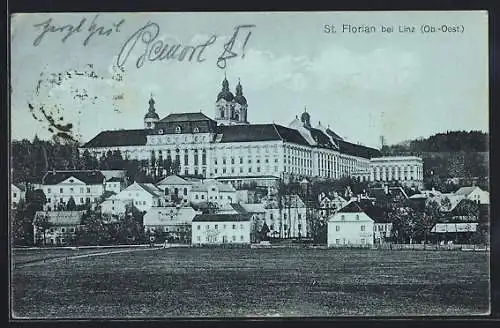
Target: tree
176,166
431,215
167,165
71,205
42,223
264,231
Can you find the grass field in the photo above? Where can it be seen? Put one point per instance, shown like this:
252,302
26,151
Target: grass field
191,282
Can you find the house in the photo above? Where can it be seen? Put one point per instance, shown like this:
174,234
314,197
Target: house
213,191
286,218
115,206
17,193
84,186
219,229
176,187
60,226
350,227
382,226
170,223
458,232
388,195
329,203
475,194
144,195
116,180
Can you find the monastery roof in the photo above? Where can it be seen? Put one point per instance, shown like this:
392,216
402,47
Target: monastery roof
119,138
86,176
259,132
184,117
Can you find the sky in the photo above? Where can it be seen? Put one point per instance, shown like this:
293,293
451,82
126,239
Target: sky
363,85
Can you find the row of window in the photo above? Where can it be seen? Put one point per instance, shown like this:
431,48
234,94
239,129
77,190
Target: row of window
348,242
215,239
216,226
202,196
337,228
249,170
63,230
224,161
80,200
71,189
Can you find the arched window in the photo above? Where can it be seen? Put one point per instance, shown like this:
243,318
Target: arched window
222,113
178,129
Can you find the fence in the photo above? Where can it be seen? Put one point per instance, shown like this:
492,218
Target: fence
429,247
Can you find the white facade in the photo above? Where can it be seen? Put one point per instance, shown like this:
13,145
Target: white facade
144,195
289,221
177,187
350,229
82,193
221,231
381,231
407,170
214,192
115,206
17,193
475,194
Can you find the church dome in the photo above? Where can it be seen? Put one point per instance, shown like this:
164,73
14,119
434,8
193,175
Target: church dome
225,93
151,111
239,98
305,117
152,115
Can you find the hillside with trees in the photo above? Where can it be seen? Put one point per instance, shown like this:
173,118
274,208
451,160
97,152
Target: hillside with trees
451,159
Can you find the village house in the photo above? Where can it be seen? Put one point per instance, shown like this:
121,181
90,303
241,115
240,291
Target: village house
84,186
213,191
170,223
115,206
350,227
17,193
176,187
475,194
116,180
219,229
60,226
329,203
286,218
144,196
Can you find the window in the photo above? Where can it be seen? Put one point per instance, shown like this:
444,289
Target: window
178,129
61,200
202,196
216,226
207,226
337,241
363,241
15,195
49,200
234,226
143,202
61,190
362,228
241,237
357,217
241,226
224,160
224,226
81,200
48,190
185,191
380,228
63,230
342,217
241,160
271,216
232,160
88,190
234,238
337,228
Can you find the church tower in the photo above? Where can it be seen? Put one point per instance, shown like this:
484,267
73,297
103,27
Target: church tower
151,116
230,109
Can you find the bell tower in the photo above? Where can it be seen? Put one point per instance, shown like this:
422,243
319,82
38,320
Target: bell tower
151,116
231,109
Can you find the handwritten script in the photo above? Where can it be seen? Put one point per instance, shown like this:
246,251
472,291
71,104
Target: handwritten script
145,40
145,44
49,27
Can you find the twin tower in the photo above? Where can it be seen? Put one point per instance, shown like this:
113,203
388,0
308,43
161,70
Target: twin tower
230,109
